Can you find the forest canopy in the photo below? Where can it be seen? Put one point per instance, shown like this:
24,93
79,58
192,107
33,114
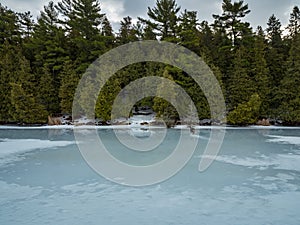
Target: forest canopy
42,60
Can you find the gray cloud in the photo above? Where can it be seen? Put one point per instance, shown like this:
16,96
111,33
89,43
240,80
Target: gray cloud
117,9
138,8
262,10
34,6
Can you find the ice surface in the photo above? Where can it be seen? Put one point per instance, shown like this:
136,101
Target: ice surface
253,181
287,162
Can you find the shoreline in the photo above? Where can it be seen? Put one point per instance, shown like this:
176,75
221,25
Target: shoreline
178,127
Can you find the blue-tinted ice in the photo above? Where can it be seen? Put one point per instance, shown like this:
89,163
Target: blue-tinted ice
254,180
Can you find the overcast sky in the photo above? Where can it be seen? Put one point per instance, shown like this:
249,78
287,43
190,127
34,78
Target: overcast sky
115,10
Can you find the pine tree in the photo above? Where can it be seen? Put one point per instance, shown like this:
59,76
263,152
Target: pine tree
294,25
20,103
221,50
231,18
49,43
245,113
47,94
107,33
276,55
15,69
25,108
289,91
127,33
240,86
164,19
274,31
148,33
210,41
162,107
69,82
49,47
106,99
82,22
7,75
261,73
81,17
26,24
188,31
9,26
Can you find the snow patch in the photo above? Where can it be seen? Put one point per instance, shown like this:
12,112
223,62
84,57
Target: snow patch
289,162
284,139
12,147
262,162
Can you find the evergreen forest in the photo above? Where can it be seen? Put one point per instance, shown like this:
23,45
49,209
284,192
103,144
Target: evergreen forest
43,59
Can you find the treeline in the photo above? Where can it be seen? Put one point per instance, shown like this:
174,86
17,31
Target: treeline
42,61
